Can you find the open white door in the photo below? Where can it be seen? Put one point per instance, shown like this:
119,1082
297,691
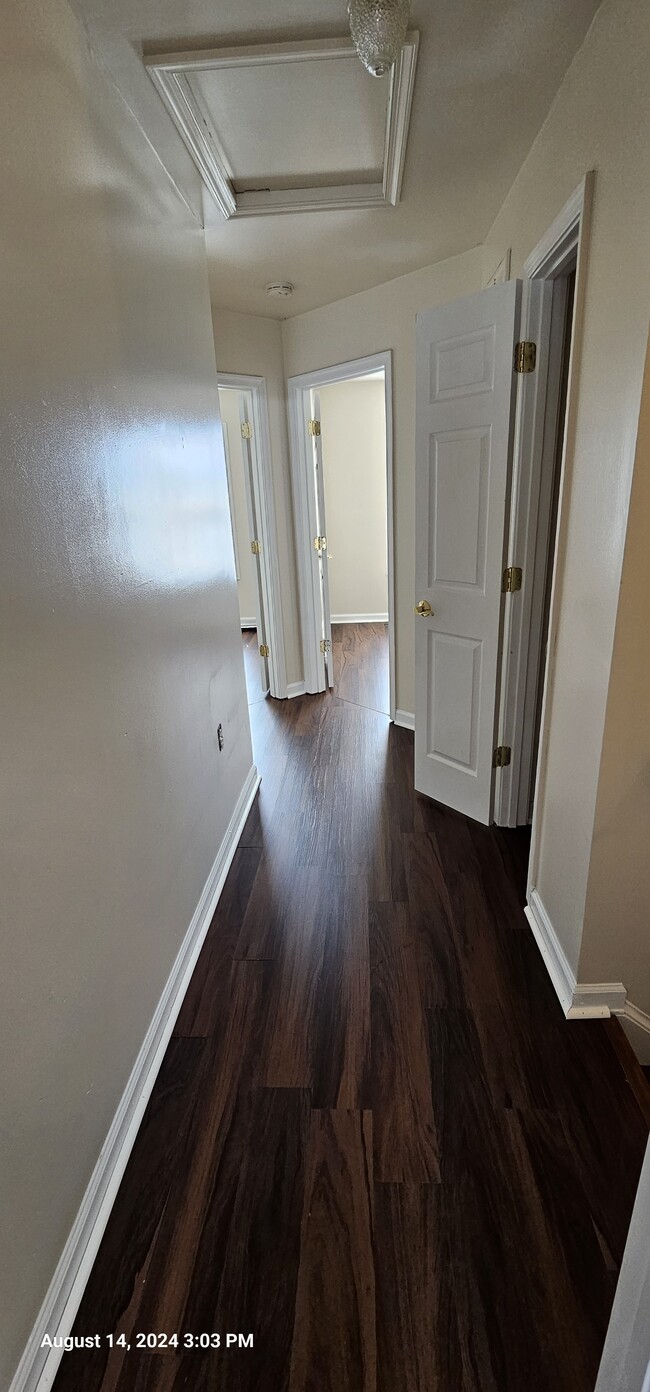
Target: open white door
465,398
252,505
320,544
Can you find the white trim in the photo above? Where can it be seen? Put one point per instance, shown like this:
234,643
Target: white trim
636,1024
539,262
299,389
559,970
358,618
405,718
295,689
597,999
262,486
37,1368
249,623
171,74
561,238
579,1000
534,455
501,273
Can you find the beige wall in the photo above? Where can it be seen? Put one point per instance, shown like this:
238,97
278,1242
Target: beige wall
372,322
121,647
246,585
252,346
353,434
616,940
600,120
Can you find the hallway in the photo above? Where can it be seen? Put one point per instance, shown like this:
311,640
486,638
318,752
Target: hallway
375,1143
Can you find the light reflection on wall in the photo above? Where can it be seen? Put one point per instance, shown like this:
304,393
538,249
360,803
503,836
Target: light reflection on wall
171,519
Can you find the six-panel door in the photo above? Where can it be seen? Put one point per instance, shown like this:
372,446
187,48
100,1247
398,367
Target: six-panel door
464,413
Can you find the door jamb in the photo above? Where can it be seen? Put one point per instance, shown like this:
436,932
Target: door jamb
298,390
565,239
262,486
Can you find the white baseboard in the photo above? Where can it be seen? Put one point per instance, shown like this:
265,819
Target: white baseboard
406,719
37,1368
295,689
636,1024
579,1000
358,618
249,623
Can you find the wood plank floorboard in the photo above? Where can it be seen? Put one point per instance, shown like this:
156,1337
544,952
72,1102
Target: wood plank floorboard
360,659
334,1337
375,1143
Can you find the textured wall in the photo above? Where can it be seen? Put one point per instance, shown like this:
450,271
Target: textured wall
120,635
616,938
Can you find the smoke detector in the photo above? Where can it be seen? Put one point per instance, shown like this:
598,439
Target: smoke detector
280,289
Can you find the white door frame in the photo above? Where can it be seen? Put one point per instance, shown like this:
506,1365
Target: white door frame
299,389
261,484
534,454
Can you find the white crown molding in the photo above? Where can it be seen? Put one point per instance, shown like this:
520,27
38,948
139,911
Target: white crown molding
38,1366
172,75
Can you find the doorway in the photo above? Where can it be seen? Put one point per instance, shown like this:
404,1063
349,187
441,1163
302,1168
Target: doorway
252,517
553,292
493,414
341,448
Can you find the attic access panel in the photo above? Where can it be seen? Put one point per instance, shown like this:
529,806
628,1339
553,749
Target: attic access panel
283,128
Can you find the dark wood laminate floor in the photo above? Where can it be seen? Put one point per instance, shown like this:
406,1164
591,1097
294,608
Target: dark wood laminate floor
375,1143
360,655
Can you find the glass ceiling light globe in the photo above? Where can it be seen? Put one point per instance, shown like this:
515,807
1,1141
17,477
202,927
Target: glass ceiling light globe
378,29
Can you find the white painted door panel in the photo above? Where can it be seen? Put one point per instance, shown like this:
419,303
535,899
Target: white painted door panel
464,412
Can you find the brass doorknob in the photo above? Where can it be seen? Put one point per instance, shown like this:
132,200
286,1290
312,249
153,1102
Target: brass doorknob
424,609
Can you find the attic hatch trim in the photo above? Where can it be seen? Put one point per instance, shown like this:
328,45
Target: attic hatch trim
171,74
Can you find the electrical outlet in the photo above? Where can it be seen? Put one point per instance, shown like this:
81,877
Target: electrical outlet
220,736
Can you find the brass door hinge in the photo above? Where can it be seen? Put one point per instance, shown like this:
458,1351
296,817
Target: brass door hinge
256,548
525,356
320,543
314,427
325,645
264,650
511,580
247,431
502,756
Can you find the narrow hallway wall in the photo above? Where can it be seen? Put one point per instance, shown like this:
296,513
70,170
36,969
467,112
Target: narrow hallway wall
121,641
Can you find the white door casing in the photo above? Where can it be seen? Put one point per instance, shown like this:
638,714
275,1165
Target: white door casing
301,391
465,395
260,483
320,542
252,507
565,243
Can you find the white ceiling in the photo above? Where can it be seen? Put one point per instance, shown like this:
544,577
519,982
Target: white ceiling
487,73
